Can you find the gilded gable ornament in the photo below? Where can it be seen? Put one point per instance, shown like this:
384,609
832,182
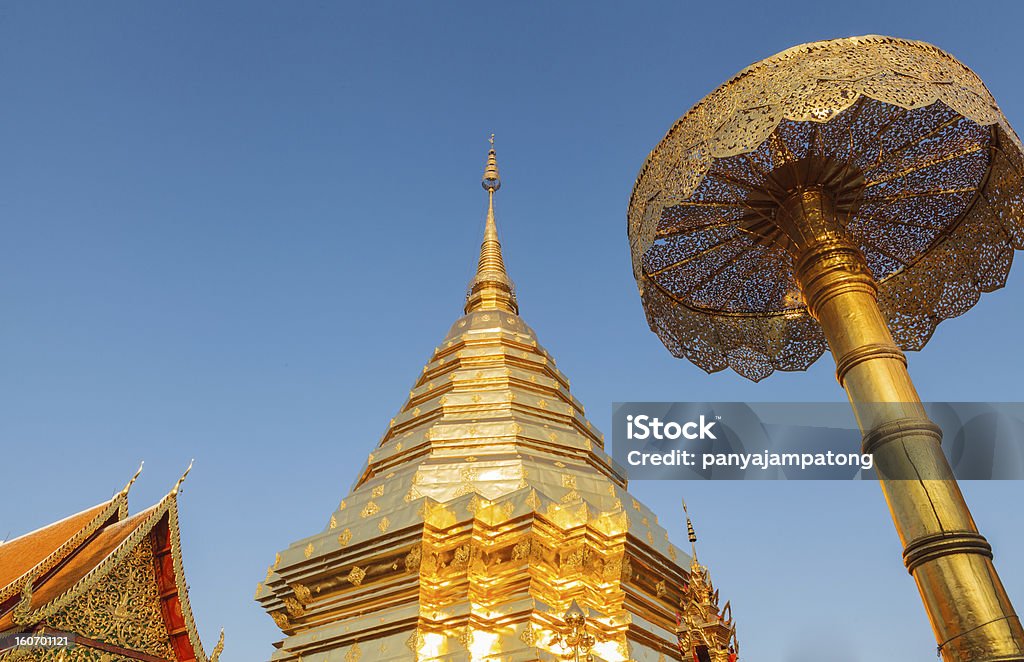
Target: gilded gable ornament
124,609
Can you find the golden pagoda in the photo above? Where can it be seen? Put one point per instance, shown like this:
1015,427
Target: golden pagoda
100,586
490,524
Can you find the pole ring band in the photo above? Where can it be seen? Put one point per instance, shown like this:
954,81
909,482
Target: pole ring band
937,545
897,429
866,353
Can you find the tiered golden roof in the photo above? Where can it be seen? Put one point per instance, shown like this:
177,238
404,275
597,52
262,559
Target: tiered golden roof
488,506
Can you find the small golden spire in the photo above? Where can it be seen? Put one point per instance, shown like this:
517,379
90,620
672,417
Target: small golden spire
491,288
689,530
492,180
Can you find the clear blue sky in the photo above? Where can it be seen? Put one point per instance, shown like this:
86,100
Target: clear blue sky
235,232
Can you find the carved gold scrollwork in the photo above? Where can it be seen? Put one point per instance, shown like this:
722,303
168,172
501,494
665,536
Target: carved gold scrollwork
412,559
522,548
302,593
123,610
294,607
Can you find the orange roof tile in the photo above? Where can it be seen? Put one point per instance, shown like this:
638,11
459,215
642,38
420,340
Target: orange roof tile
88,557
21,554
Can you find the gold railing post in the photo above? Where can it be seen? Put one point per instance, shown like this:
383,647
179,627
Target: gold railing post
951,562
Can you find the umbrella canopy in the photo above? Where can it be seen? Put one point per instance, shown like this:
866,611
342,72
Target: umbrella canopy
926,175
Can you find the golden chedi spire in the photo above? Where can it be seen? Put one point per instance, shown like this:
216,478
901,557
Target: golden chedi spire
491,288
488,506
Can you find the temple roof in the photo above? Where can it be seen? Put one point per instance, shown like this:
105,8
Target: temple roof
39,551
46,570
24,553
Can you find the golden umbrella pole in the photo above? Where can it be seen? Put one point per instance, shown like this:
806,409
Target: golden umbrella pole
950,561
846,195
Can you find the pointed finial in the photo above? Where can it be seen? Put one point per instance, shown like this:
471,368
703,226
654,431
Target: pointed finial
134,478
219,648
492,180
182,479
491,288
689,526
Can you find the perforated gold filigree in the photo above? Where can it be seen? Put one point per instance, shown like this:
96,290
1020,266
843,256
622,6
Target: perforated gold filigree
123,610
938,212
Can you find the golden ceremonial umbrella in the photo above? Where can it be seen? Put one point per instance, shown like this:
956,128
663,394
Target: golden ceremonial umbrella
846,195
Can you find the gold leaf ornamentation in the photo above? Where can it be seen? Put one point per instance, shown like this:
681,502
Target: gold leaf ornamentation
302,593
415,640
356,575
344,537
293,607
412,559
460,559
124,609
574,560
522,548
